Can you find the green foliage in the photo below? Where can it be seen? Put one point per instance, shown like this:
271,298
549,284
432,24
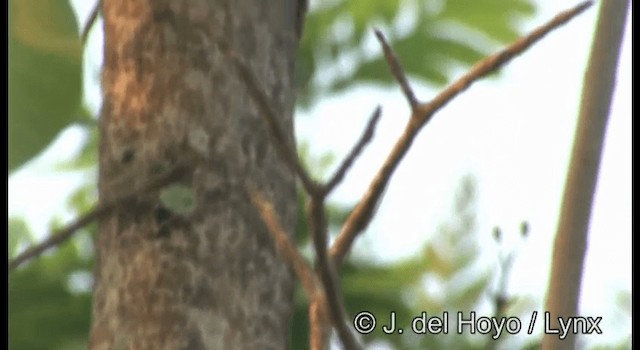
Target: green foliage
18,235
44,311
429,37
47,307
45,75
448,260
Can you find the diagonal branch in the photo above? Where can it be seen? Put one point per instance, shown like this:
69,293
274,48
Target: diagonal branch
327,272
363,212
60,236
355,152
425,111
286,150
396,70
90,22
284,244
97,212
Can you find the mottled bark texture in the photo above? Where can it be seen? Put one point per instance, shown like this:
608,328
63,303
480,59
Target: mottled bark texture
209,278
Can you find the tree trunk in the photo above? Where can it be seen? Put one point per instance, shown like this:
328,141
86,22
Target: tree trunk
201,276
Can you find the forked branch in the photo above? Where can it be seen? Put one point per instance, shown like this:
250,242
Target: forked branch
360,217
362,214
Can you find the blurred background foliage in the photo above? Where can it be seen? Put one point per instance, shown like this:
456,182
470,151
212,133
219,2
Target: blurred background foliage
50,297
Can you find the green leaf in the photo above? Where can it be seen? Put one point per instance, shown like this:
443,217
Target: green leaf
45,75
18,234
493,18
443,38
43,312
178,198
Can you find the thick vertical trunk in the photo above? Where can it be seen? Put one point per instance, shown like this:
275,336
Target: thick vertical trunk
206,276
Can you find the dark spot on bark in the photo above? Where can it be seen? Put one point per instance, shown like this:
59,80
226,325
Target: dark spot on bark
138,66
200,59
193,341
261,153
246,146
127,156
163,231
202,296
163,15
165,220
267,296
158,168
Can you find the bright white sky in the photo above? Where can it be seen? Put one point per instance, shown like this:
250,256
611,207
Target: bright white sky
513,133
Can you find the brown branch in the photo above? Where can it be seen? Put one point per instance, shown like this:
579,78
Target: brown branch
425,111
316,214
97,212
366,137
59,236
319,323
326,270
397,71
92,19
363,212
284,244
320,303
286,150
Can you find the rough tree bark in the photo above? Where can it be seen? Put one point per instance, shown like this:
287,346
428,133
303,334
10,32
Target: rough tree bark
208,276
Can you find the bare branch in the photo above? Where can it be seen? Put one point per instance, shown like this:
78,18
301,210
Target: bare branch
284,244
97,212
59,236
319,323
425,111
316,213
286,150
355,152
397,71
92,19
363,212
318,225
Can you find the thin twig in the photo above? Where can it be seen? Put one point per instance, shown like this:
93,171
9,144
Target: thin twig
491,63
92,19
316,212
355,152
98,211
284,244
363,212
287,151
59,236
396,70
326,270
